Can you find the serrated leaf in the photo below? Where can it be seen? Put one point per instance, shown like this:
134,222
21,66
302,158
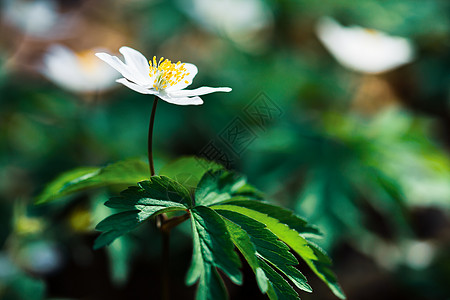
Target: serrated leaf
322,268
160,188
213,249
283,215
125,172
268,280
152,197
268,247
279,288
242,241
311,254
218,186
282,230
115,226
189,170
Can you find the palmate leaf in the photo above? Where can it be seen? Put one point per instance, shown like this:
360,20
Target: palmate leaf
125,172
158,195
225,214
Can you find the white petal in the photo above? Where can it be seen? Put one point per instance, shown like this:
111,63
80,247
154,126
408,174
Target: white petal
65,68
192,70
364,50
199,91
61,66
136,61
136,87
117,64
58,61
181,100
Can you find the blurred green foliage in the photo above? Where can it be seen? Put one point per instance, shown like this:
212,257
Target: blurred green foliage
372,179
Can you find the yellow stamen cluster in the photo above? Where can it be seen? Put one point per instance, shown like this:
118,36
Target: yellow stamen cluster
166,73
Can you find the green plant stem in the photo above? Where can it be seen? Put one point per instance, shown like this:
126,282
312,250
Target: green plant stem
173,222
150,138
164,224
160,220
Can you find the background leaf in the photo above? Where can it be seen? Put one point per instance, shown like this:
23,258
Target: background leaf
215,187
125,172
189,170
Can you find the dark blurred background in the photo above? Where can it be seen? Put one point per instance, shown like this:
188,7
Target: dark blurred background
346,111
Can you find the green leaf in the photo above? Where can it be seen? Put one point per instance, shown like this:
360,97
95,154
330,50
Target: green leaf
283,215
268,247
277,220
125,172
262,232
150,198
279,287
213,249
242,241
322,268
66,183
189,170
160,188
269,281
116,225
218,186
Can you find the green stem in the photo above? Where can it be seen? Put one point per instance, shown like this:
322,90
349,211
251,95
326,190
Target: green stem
150,137
173,222
164,224
161,218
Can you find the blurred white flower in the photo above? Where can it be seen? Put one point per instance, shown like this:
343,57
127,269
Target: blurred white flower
77,72
162,78
364,50
38,18
243,21
41,257
419,254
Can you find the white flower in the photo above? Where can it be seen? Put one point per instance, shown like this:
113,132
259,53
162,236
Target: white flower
162,78
364,50
245,22
39,18
35,17
77,72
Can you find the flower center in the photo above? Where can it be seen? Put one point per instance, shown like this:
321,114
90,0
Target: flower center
88,60
371,31
166,73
